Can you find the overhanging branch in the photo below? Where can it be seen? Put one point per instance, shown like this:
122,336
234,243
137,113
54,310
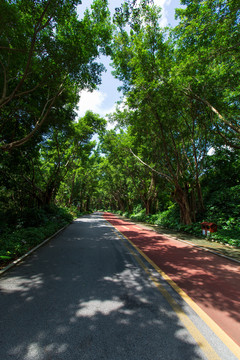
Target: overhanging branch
38,124
154,170
236,129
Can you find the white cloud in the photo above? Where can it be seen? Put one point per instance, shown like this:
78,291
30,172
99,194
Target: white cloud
162,3
93,101
164,13
164,17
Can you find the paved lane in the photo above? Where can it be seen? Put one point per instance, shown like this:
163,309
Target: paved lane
213,282
84,296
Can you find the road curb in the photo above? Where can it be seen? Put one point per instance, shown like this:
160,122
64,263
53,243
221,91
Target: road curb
17,261
215,252
207,249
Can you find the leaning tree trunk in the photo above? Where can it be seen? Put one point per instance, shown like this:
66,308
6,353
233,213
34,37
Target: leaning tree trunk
150,196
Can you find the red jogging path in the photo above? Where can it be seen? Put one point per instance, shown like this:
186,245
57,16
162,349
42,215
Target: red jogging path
211,281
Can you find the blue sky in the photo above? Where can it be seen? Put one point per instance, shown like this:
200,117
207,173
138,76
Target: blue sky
103,100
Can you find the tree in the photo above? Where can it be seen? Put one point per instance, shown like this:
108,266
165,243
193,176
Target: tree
33,176
60,154
207,61
172,127
126,182
46,49
81,181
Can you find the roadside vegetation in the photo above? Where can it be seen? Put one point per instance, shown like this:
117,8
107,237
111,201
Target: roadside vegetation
29,229
172,157
221,194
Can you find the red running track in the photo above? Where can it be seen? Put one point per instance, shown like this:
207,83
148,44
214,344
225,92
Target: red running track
211,281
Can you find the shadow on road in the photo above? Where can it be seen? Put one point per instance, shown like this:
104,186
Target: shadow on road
213,282
82,297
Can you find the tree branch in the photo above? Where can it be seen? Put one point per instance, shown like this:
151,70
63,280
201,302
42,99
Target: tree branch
12,49
214,110
39,123
157,172
227,141
4,81
5,100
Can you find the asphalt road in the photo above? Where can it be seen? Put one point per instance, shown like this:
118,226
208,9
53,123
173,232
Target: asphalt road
85,295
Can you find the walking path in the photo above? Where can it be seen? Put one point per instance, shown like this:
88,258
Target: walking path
221,249
211,281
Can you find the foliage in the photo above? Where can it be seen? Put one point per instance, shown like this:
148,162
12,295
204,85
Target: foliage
181,104
46,52
228,230
207,67
171,131
33,226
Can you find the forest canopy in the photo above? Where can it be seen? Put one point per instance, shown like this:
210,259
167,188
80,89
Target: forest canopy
173,156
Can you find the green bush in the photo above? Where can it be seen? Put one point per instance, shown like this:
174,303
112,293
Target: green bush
223,206
32,217
16,241
228,223
139,216
225,236
228,227
168,218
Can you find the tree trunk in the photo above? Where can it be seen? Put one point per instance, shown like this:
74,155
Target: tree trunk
182,198
121,205
148,204
88,203
72,189
200,206
150,196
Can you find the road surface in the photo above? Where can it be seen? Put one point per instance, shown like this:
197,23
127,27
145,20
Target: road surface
88,294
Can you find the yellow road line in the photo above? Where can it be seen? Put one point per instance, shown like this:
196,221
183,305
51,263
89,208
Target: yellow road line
234,348
194,332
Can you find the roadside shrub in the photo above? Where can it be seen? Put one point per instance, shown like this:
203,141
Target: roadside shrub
16,241
126,214
168,218
231,237
228,223
32,217
136,209
152,218
139,216
64,214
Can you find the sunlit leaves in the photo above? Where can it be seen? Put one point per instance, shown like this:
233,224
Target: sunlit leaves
45,49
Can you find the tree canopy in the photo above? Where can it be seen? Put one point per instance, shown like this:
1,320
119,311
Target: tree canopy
173,155
47,56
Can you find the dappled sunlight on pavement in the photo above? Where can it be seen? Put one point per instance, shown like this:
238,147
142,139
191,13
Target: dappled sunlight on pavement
82,297
211,281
